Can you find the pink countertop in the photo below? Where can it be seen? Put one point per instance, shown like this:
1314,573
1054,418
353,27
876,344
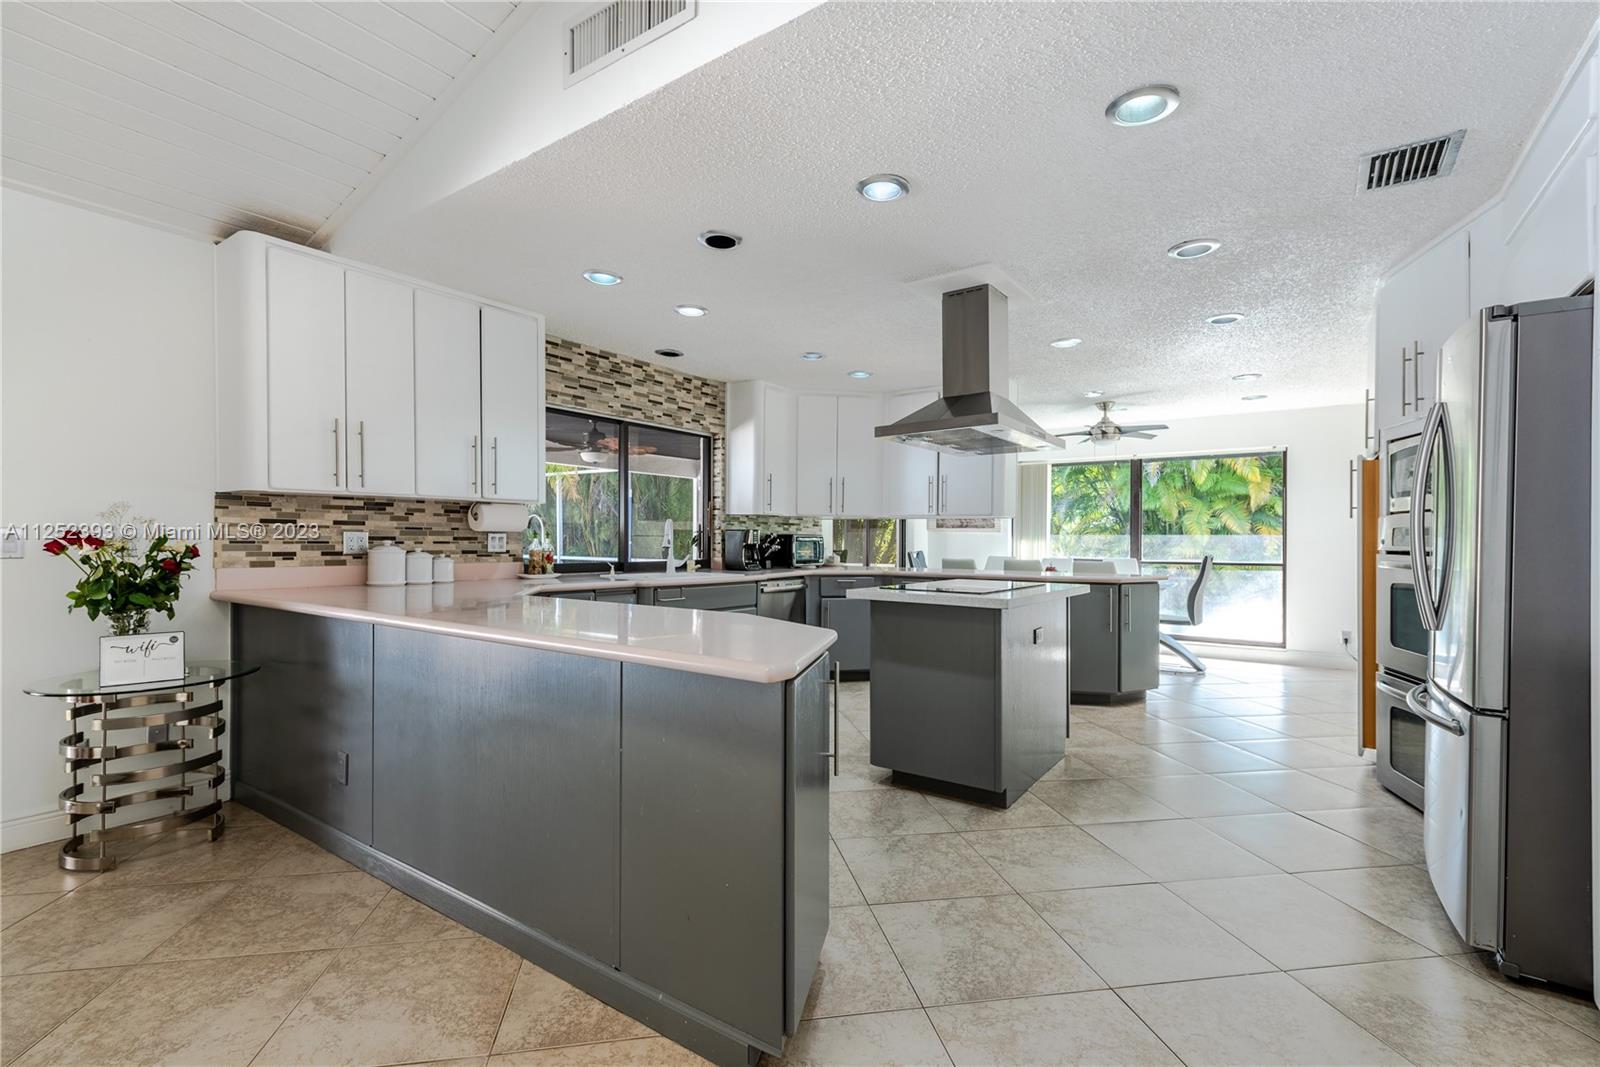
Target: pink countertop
726,645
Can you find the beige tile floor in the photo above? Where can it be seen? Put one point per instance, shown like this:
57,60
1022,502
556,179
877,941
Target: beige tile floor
1209,877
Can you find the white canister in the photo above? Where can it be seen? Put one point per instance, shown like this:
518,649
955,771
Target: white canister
444,569
419,568
386,565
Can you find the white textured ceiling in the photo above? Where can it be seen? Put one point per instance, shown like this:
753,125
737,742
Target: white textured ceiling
218,116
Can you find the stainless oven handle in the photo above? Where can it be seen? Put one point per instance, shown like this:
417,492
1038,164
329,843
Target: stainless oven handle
1417,700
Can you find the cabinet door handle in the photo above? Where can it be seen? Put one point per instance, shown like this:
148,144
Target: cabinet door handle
944,492
833,749
1111,611
841,494
474,464
1367,436
1416,375
335,451
361,449
1352,481
769,492
494,452
830,496
1405,405
930,494
1127,609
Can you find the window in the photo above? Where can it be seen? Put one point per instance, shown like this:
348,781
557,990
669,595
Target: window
1230,507
869,541
1091,509
588,460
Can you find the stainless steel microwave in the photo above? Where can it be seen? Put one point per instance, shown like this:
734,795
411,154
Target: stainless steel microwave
1400,472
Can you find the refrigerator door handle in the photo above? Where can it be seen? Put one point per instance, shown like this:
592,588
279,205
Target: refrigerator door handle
1417,700
1430,601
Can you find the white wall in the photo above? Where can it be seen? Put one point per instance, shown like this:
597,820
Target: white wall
106,394
1320,582
976,545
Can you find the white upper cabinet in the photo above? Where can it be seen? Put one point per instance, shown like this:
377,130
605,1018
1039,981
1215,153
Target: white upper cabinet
1419,307
910,474
513,406
860,463
816,489
967,485
449,418
380,384
760,449
333,377
305,382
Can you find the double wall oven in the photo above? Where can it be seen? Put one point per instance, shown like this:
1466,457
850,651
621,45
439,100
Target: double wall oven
1402,651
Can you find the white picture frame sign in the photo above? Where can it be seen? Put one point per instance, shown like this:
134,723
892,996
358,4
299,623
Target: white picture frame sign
138,658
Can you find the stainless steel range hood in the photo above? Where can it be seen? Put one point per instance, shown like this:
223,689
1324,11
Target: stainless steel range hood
973,416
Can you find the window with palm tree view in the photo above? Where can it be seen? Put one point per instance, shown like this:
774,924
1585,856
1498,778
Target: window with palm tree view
592,523
1169,513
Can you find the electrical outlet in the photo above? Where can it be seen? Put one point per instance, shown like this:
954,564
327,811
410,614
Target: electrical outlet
355,542
1345,636
497,542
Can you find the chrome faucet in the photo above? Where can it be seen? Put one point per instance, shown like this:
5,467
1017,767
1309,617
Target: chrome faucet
527,545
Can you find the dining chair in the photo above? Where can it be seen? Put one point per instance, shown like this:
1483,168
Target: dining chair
1194,611
1081,565
958,563
1012,565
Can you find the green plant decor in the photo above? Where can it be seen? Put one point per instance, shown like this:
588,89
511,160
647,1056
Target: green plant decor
121,584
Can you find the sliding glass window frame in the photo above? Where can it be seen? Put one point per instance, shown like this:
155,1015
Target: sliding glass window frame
1136,535
624,559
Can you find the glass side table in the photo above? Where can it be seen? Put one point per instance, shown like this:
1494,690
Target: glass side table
171,717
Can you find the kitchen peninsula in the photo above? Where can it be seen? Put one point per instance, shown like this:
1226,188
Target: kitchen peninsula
632,797
969,689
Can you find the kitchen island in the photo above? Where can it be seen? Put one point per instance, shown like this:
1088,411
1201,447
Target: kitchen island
634,798
969,692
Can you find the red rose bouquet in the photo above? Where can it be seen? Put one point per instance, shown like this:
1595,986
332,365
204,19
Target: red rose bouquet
121,584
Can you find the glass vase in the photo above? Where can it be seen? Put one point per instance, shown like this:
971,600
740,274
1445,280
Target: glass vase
128,623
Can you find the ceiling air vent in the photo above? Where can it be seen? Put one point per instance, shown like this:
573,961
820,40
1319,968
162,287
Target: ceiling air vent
609,32
1410,163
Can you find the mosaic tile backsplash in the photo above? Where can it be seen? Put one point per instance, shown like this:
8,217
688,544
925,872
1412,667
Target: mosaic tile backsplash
302,530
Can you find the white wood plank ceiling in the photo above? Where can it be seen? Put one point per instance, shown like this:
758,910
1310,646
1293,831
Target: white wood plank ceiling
218,115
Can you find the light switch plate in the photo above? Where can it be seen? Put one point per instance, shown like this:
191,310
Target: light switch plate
355,542
497,542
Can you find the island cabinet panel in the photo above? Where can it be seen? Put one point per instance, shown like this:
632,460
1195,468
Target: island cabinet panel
937,719
806,833
1096,645
1033,716
302,725
496,772
1139,654
703,844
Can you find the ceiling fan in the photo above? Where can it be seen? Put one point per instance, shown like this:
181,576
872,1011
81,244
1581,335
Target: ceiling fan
1108,431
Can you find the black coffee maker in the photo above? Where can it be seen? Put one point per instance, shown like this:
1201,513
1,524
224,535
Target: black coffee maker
741,550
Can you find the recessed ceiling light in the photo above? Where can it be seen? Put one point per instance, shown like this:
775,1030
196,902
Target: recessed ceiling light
669,353
1194,249
1093,393
812,356
1247,377
1141,107
721,240
690,311
602,277
881,188
1254,396
863,374
1066,342
1227,318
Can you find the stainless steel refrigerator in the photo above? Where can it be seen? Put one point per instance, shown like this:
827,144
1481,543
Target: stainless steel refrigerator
1500,535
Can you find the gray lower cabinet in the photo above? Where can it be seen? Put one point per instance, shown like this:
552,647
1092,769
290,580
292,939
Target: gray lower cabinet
1114,639
496,772
713,814
850,619
616,596
740,597
301,727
